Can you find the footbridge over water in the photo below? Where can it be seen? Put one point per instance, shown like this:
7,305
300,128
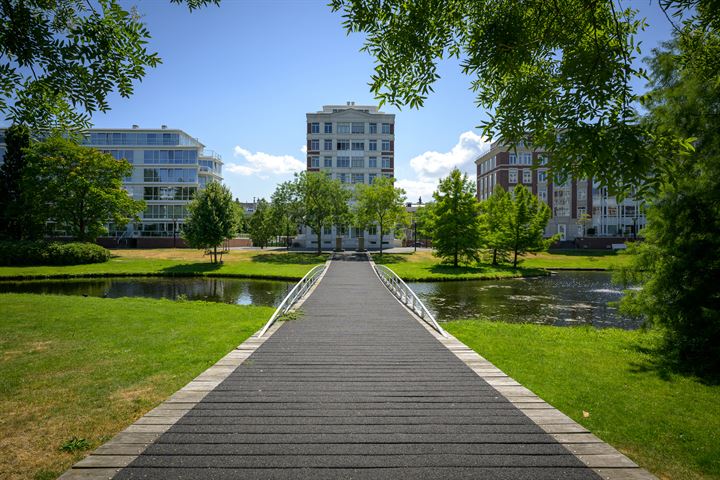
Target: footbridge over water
357,387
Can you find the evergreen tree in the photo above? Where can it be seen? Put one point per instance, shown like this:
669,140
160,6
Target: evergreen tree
495,225
678,264
526,224
261,224
380,204
18,220
212,219
456,236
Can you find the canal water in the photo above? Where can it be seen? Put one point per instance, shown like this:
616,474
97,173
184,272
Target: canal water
566,298
224,290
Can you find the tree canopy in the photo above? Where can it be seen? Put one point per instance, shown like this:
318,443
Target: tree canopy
380,204
323,202
78,188
212,219
60,60
261,224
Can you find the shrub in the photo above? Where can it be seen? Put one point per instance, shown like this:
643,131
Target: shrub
51,253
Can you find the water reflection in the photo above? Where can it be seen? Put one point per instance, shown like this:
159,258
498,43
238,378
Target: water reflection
568,298
224,290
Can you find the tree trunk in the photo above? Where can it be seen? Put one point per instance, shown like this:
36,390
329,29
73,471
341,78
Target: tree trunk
287,237
215,254
494,257
515,259
381,238
319,240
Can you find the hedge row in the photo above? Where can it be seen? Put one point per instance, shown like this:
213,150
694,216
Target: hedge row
51,253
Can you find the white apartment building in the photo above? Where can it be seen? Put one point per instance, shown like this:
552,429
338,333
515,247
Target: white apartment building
169,167
570,202
354,144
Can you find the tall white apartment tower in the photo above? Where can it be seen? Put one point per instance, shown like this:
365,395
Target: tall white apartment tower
354,144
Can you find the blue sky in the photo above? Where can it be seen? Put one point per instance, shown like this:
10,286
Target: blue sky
241,77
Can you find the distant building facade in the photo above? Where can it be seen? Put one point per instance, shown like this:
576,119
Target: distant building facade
580,207
169,167
354,144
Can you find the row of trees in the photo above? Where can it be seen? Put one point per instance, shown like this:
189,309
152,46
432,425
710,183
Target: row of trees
57,182
463,229
315,200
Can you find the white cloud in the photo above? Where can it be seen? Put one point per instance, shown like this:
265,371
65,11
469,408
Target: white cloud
415,189
263,163
303,149
431,165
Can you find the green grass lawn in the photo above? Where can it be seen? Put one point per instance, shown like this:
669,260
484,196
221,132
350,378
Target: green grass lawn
668,424
89,367
182,262
423,266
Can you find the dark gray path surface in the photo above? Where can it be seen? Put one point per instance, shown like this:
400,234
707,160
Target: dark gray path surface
355,388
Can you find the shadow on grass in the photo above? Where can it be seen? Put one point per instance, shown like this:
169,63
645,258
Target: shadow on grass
294,258
192,268
389,258
660,361
584,253
445,269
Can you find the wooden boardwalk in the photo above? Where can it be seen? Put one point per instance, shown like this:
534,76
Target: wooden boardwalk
355,388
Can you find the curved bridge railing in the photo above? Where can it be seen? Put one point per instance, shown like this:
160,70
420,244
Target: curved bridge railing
405,294
298,291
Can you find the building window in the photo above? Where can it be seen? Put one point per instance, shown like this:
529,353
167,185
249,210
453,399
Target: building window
358,178
314,162
582,194
315,145
343,144
542,176
373,128
327,144
327,230
561,203
358,146
542,159
342,177
328,162
542,195
512,159
372,162
581,211
343,162
314,127
358,162
371,177
386,128
170,175
343,128
358,127
372,230
512,175
386,162
525,159
328,127
527,176
387,175
372,145
386,145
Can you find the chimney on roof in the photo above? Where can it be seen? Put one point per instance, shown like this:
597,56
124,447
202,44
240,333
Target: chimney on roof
135,127
350,104
164,127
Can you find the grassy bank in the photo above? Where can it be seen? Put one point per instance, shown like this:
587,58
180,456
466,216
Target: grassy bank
423,266
180,262
667,423
88,367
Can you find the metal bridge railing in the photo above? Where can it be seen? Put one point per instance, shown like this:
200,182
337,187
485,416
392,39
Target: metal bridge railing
405,294
298,291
